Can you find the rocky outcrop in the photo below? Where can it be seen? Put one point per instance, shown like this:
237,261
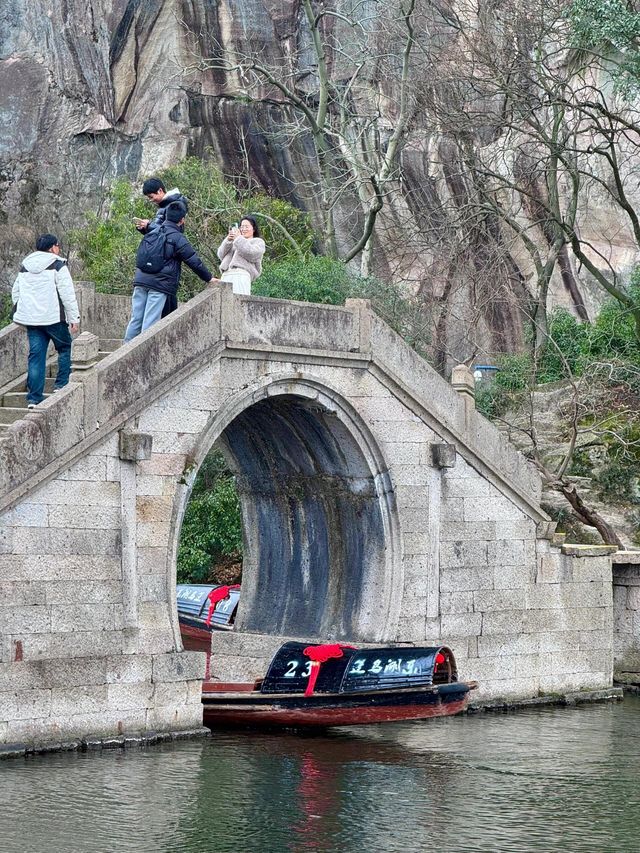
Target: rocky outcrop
92,90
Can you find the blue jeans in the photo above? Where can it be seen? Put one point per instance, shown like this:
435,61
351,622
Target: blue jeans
146,309
39,337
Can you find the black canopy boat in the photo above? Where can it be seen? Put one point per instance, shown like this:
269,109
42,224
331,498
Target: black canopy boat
339,685
203,608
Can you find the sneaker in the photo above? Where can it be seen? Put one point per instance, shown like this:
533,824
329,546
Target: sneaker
31,405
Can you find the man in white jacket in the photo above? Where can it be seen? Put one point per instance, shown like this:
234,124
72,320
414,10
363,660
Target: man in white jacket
45,302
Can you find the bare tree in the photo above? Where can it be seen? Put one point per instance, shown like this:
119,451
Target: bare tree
349,86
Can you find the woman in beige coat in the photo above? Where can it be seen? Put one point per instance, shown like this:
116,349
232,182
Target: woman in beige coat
241,254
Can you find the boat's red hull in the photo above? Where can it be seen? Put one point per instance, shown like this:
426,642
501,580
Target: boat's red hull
255,709
195,639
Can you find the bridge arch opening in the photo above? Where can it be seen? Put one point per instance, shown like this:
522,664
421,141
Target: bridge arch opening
318,516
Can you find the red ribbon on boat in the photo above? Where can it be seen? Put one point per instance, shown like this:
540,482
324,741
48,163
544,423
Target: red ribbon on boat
319,655
217,595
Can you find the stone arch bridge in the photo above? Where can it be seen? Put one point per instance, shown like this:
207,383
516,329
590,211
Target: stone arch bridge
377,506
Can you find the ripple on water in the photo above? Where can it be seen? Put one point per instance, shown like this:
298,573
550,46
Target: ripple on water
562,779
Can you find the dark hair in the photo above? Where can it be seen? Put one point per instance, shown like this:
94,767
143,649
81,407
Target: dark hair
256,230
46,242
176,211
152,185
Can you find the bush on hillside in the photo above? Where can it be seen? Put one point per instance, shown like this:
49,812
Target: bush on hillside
211,529
107,247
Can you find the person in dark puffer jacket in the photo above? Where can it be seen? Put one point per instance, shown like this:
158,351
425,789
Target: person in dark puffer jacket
156,192
151,290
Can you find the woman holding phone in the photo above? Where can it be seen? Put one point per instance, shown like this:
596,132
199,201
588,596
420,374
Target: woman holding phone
241,254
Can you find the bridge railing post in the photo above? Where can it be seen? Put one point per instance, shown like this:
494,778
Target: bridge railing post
362,312
230,317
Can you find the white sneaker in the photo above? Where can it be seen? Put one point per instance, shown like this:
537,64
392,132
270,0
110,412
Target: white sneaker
31,405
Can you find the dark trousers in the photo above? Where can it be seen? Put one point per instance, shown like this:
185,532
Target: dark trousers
39,337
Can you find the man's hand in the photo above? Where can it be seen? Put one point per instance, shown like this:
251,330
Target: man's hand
140,224
214,281
73,327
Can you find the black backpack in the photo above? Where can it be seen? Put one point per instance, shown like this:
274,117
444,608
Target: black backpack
152,251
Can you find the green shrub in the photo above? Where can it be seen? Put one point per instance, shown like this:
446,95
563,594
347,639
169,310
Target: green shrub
212,527
508,387
5,309
311,279
107,247
564,353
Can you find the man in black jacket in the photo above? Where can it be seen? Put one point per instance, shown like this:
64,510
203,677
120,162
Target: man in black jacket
156,192
151,290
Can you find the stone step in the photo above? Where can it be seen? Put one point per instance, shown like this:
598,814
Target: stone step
16,399
8,416
48,385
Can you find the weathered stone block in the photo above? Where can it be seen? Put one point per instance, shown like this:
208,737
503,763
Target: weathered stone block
84,349
153,588
416,542
20,593
461,625
412,498
24,705
171,693
24,620
510,645
180,666
163,465
511,552
496,600
85,517
78,493
25,515
468,530
135,446
93,468
87,699
456,602
172,718
499,508
128,669
443,455
462,553
127,696
76,644
150,534
513,577
69,617
457,580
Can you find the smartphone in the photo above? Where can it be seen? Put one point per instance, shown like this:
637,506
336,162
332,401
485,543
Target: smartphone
235,225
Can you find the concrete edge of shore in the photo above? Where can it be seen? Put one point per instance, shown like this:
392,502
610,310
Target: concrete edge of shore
128,741
579,697
97,743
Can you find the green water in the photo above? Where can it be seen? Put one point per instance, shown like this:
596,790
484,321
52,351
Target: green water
565,779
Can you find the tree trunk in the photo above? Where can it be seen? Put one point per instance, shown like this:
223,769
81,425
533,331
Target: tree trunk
589,516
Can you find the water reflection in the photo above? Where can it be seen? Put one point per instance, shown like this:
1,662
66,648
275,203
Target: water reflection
548,779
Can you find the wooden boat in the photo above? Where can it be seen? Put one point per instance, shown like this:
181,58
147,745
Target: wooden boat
339,685
204,608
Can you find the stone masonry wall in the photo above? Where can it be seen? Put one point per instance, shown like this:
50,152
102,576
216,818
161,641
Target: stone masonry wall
88,629
626,616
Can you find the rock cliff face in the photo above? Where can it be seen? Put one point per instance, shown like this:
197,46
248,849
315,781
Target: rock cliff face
90,90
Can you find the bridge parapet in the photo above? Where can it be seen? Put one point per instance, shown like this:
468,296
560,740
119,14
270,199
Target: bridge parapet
121,385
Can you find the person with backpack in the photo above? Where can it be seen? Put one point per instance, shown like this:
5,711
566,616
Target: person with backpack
45,303
155,190
159,260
